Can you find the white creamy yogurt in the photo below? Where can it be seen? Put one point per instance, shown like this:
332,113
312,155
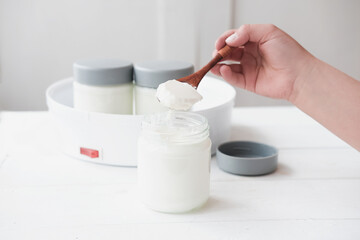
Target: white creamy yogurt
177,95
146,101
174,161
115,99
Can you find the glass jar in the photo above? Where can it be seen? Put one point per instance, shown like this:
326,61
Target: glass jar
174,161
149,75
103,85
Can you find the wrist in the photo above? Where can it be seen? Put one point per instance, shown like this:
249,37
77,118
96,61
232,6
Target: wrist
308,73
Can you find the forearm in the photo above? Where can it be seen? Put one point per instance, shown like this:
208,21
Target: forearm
332,98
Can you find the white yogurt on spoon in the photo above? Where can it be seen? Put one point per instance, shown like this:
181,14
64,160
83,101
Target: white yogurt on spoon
177,95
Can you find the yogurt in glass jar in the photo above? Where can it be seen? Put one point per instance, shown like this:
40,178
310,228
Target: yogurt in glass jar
103,85
174,161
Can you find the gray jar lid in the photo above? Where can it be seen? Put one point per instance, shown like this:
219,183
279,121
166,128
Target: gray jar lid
247,158
103,71
152,73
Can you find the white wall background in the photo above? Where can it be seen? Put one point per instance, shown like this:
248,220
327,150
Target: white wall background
40,39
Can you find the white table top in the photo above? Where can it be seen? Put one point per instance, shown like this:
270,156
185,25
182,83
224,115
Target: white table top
314,194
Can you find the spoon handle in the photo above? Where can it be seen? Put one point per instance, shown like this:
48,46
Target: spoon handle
222,53
195,78
225,51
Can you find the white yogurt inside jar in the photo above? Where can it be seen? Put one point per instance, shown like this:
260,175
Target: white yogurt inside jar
103,85
174,161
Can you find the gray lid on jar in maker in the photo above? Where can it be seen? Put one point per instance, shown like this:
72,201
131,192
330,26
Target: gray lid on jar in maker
247,158
152,73
103,71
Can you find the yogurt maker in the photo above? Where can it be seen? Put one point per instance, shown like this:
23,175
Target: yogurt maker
112,138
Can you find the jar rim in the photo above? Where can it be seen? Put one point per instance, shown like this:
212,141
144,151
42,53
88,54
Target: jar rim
175,126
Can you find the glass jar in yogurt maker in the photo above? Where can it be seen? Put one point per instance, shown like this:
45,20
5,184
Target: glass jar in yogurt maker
149,75
174,161
103,85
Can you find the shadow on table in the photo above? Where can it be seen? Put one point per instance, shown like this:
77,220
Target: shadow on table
283,170
215,204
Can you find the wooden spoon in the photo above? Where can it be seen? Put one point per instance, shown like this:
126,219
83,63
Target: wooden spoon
195,78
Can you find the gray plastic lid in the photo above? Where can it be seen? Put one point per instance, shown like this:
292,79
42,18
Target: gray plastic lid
152,73
247,158
103,71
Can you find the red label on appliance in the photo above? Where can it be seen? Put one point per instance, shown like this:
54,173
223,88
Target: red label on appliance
92,153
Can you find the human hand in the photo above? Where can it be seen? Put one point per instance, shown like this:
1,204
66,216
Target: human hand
272,63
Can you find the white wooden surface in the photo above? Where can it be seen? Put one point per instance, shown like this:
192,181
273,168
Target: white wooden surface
314,194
